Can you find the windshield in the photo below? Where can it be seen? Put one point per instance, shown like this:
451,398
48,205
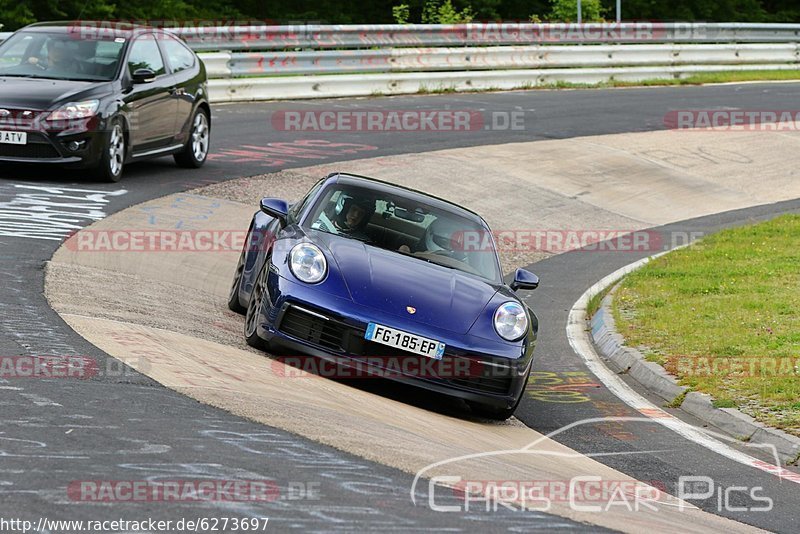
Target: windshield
406,226
60,56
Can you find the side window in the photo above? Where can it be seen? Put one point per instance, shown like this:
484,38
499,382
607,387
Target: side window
297,207
179,57
145,55
15,54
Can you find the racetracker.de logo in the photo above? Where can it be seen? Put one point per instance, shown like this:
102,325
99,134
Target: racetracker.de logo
735,366
203,490
167,240
404,364
734,120
398,120
47,367
566,32
190,30
558,241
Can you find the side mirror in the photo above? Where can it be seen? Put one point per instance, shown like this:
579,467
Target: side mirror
524,280
143,76
275,207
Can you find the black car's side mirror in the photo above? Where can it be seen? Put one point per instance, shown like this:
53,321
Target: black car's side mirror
524,280
143,76
275,207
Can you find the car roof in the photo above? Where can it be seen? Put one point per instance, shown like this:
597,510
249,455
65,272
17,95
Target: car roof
380,185
120,29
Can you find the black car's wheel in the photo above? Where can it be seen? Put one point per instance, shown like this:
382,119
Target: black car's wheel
112,158
233,297
195,151
253,308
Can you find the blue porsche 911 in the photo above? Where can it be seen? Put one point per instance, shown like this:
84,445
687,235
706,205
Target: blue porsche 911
370,275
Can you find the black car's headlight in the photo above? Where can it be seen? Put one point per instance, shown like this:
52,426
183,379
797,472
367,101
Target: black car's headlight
308,263
75,110
510,321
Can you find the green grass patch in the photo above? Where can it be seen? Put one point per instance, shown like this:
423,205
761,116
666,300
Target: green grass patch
695,79
724,317
596,301
678,401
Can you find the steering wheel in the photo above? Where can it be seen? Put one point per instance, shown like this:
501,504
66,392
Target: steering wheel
33,60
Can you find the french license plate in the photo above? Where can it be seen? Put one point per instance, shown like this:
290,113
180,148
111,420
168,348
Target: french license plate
404,340
13,138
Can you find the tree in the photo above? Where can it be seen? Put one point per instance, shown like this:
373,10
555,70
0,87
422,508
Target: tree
567,11
444,13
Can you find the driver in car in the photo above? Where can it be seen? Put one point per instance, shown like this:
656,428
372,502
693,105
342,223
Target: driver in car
351,216
58,58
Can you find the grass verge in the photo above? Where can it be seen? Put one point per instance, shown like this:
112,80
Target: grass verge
724,316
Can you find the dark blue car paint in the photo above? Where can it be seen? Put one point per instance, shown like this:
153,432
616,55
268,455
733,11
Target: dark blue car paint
367,284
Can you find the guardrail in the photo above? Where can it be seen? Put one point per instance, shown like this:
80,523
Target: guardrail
476,34
307,61
232,64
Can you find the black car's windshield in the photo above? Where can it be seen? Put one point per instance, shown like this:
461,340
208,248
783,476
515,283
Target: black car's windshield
60,56
407,226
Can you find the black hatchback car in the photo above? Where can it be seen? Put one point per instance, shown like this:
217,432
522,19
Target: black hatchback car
91,96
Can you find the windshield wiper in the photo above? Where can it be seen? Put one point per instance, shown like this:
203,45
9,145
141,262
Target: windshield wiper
411,255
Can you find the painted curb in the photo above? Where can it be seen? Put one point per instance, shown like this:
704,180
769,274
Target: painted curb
653,377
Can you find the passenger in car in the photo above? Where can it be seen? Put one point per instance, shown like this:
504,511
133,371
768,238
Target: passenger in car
439,238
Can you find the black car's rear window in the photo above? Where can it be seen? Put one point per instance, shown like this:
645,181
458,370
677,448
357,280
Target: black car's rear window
60,56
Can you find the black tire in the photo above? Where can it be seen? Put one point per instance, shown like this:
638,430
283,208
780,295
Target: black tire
253,306
195,152
112,158
233,297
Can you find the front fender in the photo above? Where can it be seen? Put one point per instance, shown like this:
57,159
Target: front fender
261,236
333,283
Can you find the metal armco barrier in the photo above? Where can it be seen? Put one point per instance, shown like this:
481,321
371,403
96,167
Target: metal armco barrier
227,64
314,36
321,86
479,34
307,61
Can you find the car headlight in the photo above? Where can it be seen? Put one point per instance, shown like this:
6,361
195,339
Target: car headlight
510,321
75,110
308,263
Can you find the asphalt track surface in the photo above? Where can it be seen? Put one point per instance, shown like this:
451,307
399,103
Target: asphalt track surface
130,428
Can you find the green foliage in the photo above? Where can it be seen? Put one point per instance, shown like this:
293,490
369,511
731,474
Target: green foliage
567,11
17,13
437,12
401,13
